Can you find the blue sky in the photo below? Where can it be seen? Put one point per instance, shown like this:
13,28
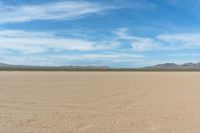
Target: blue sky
115,33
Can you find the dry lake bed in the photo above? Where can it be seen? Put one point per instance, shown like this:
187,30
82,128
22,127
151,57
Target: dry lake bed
99,102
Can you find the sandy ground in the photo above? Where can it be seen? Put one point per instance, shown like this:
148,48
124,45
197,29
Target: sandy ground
99,102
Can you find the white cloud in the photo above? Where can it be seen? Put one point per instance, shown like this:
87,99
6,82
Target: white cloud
173,41
65,10
183,39
137,43
35,45
37,42
72,59
24,34
51,11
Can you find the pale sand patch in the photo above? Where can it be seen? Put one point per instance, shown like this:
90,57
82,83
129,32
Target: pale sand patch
99,102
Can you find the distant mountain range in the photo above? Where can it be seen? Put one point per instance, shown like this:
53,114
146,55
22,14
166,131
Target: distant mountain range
189,65
4,66
160,67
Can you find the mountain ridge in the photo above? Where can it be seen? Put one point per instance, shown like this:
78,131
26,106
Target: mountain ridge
189,65
4,66
161,67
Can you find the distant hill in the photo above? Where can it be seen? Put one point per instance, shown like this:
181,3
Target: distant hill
160,67
189,65
4,66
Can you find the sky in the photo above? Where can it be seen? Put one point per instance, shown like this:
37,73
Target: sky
115,33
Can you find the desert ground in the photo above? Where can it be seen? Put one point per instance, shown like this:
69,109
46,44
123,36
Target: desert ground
99,102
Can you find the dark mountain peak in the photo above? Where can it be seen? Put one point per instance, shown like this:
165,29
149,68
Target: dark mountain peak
188,65
166,65
198,63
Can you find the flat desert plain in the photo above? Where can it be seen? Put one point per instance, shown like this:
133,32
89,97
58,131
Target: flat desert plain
99,102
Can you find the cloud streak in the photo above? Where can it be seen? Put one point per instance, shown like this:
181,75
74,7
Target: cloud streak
64,10
28,42
173,41
137,43
72,59
181,39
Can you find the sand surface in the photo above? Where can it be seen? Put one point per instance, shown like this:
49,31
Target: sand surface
99,102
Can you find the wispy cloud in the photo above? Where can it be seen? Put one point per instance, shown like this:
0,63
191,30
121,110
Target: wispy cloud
181,39
173,41
38,42
137,43
51,11
65,10
73,59
28,42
